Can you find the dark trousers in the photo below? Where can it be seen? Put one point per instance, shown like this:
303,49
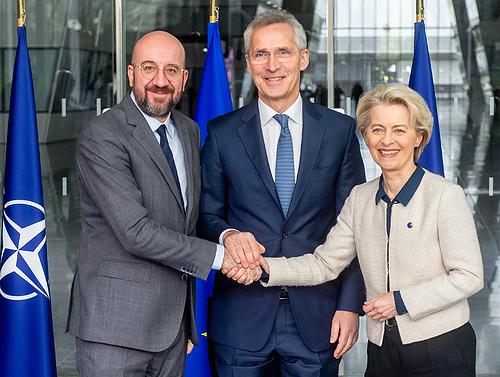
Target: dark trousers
284,354
452,354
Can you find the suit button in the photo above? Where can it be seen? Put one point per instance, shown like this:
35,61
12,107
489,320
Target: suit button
284,236
184,277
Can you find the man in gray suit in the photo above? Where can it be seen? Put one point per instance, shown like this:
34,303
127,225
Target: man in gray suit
132,303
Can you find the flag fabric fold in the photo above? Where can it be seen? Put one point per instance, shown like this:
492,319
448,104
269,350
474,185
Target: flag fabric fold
422,82
214,99
26,333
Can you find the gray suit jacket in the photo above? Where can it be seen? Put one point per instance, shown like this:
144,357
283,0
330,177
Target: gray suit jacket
138,253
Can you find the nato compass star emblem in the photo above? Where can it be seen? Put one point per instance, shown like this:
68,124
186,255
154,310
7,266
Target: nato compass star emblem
22,274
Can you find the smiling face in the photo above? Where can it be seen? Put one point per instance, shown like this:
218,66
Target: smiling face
277,77
391,138
159,95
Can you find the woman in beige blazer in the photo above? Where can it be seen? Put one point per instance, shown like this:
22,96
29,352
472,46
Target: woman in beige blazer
417,246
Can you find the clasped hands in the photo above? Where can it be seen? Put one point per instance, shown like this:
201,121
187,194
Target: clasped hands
243,261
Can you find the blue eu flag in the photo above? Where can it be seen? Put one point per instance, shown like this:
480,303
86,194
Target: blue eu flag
421,81
214,99
26,335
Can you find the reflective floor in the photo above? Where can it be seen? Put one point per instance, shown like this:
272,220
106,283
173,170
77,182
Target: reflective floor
472,155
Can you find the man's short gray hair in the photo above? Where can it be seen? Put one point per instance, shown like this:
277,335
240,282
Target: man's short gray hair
274,16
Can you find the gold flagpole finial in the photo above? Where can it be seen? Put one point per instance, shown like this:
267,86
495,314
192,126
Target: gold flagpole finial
420,10
21,12
214,12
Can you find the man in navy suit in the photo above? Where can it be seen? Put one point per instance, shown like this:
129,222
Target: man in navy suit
275,175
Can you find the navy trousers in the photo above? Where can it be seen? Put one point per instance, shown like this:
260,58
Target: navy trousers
284,354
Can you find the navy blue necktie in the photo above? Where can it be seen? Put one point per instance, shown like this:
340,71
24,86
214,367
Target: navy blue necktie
162,131
285,172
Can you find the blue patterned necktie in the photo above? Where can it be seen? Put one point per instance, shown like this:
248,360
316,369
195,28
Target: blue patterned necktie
162,131
285,173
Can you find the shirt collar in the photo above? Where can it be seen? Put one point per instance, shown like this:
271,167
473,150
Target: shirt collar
407,191
153,123
294,112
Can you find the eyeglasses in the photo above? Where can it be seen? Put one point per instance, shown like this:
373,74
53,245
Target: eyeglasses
149,70
282,55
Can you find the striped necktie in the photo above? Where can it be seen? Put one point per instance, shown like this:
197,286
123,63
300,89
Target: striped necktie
285,173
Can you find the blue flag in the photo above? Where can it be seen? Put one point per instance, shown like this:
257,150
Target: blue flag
421,81
214,99
26,335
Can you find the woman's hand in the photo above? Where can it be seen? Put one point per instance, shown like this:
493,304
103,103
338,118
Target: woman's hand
381,308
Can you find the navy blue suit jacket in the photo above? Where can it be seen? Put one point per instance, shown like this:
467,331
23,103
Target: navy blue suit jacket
238,192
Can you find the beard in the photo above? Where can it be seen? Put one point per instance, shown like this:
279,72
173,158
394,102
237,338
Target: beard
153,108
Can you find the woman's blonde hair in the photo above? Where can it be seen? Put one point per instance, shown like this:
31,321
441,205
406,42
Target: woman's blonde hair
397,94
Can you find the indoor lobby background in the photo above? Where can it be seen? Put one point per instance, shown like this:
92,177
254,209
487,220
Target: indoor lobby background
79,51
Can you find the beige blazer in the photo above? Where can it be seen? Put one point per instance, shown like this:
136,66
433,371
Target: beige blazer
435,262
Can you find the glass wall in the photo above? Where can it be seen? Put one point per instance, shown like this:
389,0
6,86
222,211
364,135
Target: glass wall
71,50
234,16
72,47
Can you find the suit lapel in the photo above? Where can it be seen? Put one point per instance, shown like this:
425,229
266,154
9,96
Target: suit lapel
188,159
250,133
313,132
142,133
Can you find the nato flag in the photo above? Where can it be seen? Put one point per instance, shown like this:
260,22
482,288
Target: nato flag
421,81
26,336
214,99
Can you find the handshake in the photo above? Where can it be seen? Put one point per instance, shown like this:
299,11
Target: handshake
243,261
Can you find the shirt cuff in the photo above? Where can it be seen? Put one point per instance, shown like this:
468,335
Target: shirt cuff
219,258
221,237
400,305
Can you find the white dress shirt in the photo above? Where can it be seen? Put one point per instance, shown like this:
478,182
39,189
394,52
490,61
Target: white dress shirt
175,143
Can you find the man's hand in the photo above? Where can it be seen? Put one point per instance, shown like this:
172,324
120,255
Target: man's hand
243,248
240,274
344,330
228,263
237,272
190,346
381,308
245,275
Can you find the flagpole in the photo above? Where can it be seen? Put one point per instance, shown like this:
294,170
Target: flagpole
21,12
420,10
214,12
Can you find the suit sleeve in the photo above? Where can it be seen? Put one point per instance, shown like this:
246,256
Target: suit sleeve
352,173
212,219
105,172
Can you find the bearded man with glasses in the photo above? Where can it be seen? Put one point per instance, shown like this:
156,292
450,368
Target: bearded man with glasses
132,302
